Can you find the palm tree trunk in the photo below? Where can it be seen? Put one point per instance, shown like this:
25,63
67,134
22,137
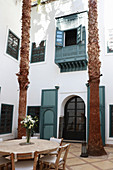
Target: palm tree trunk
24,64
95,145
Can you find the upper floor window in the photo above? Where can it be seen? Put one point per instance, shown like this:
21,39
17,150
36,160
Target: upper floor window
69,37
71,48
69,29
13,45
38,53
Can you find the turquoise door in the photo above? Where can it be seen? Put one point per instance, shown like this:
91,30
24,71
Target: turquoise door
48,114
102,111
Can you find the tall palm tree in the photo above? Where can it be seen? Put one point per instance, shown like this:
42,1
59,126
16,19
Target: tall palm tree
95,145
24,64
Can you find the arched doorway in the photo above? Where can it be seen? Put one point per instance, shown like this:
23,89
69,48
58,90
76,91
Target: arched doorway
74,119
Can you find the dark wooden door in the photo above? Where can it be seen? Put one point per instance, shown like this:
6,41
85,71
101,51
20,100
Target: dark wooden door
74,119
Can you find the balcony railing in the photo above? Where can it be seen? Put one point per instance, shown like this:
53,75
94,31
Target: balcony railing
71,58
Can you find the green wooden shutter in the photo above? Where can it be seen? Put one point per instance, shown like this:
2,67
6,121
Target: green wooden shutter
79,34
111,121
38,53
48,114
6,118
59,38
13,45
88,109
102,111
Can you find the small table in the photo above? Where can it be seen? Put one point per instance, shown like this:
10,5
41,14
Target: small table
16,147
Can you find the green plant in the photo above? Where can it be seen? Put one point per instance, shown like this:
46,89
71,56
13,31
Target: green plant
28,122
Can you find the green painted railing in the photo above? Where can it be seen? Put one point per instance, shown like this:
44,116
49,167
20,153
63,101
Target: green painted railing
71,53
71,58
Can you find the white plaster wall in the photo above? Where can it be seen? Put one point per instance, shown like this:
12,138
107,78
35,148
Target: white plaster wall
9,19
105,22
46,75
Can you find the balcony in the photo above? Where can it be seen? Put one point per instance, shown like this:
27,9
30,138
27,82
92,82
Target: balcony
71,58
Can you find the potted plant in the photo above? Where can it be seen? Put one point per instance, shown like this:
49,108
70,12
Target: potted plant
28,122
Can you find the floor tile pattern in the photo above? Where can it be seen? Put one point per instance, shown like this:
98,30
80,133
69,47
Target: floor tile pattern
75,162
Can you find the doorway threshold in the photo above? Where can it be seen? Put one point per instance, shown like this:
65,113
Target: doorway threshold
72,141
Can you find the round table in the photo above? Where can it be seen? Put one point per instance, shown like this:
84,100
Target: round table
39,145
16,147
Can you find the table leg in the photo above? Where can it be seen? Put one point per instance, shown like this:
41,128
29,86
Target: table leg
38,166
12,161
35,160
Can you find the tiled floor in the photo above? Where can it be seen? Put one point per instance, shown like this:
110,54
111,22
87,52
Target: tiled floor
75,162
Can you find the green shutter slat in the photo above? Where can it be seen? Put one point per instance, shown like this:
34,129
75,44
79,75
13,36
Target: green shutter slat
79,34
59,38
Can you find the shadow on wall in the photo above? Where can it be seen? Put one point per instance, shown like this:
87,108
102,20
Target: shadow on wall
45,16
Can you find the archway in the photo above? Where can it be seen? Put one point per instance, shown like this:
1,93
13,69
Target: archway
74,119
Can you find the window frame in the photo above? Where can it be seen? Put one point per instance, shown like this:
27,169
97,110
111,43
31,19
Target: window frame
34,62
79,37
107,40
18,46
5,119
65,37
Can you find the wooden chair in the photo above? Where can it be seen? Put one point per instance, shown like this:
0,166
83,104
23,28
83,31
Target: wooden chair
54,140
55,161
60,141
4,163
54,152
57,140
24,161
